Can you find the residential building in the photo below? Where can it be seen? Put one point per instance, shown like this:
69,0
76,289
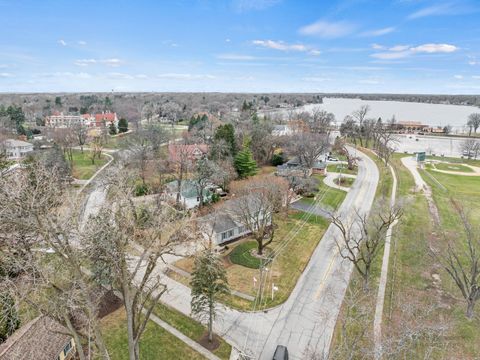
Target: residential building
224,226
16,149
282,130
189,193
41,339
293,167
184,152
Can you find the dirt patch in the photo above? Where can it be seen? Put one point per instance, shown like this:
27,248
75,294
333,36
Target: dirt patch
108,304
213,345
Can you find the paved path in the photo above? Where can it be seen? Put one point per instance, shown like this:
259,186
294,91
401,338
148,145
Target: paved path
331,176
377,322
311,209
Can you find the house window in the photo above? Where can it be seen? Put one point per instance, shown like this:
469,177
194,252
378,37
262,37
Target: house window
224,236
242,229
230,233
67,348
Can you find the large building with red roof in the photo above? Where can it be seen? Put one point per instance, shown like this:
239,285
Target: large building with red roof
61,120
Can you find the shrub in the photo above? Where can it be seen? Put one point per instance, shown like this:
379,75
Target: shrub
141,190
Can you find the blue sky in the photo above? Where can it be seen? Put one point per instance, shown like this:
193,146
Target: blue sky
394,46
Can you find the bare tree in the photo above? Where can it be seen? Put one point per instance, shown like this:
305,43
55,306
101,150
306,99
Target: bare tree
321,121
37,214
473,122
111,235
256,202
471,147
386,145
307,147
463,265
81,133
361,240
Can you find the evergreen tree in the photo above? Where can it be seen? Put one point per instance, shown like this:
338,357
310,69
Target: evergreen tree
226,132
9,321
244,162
209,281
122,125
112,129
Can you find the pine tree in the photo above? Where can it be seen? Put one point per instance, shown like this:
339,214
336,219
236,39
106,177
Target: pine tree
244,162
122,125
209,281
112,129
9,321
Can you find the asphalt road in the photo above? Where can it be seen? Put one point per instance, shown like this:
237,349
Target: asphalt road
306,321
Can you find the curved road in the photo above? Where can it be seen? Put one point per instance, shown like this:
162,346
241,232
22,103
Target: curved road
306,321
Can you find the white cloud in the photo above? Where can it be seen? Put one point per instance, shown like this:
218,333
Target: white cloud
378,47
239,57
316,79
449,8
123,76
403,51
5,75
325,29
399,48
377,32
81,43
108,62
369,81
472,63
79,75
180,76
227,40
435,48
458,77
246,5
476,77
62,42
283,46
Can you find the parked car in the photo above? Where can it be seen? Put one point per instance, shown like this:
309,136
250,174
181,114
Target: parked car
281,353
330,158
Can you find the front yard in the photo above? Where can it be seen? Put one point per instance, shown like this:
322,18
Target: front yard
155,344
299,233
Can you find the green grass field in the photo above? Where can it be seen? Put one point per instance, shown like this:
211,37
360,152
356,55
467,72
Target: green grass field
342,168
329,198
188,326
453,167
155,344
82,167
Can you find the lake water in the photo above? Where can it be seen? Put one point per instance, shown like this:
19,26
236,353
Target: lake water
428,114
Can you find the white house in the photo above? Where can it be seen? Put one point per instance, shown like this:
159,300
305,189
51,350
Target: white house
17,149
282,130
223,226
189,193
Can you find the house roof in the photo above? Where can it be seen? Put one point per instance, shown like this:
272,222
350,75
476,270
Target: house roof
219,222
16,143
176,151
188,190
105,116
40,339
319,165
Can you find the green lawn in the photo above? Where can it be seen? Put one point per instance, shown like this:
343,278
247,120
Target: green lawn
241,255
155,344
342,168
344,181
82,167
453,167
191,328
329,198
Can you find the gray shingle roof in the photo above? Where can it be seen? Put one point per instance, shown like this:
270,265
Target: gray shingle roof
40,339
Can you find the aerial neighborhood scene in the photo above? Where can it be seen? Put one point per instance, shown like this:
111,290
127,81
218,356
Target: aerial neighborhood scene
240,180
